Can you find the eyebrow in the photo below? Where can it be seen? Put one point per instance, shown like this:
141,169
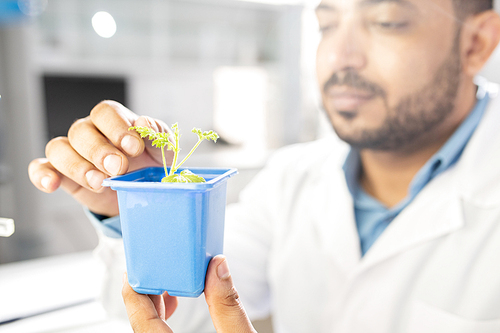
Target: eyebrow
405,3
365,3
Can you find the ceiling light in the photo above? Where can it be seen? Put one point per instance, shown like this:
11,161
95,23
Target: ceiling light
104,24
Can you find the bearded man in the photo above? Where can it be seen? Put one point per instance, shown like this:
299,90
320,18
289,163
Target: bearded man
395,229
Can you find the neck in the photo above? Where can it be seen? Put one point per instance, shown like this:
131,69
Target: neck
386,175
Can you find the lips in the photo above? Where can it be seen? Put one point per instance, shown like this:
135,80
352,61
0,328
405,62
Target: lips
347,98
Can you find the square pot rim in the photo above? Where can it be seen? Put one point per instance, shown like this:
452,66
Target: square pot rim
118,182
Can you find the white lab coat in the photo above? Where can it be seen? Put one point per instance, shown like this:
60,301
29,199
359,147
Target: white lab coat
293,248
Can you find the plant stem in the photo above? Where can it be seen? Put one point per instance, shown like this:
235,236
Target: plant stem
189,154
176,150
164,161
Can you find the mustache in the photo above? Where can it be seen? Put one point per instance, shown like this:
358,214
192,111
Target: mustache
351,78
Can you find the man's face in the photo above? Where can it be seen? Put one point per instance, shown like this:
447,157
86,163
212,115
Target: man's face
388,70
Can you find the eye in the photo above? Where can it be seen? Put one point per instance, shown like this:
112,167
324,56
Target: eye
327,28
391,25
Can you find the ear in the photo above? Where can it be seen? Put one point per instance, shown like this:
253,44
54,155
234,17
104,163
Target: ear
479,38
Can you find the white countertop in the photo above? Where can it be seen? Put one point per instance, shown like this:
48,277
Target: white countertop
55,294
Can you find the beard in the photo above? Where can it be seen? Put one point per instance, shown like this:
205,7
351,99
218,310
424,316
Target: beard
414,117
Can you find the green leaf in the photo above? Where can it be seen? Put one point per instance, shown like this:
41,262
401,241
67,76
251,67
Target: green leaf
175,128
185,176
171,141
144,131
207,135
160,140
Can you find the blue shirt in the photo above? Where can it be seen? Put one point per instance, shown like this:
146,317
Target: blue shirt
372,217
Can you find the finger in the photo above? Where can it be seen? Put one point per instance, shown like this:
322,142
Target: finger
226,309
141,311
90,143
47,179
158,126
159,305
103,202
43,175
113,120
69,163
171,303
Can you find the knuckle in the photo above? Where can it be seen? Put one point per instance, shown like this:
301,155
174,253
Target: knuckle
101,108
76,127
232,298
96,153
32,171
134,318
87,144
77,170
53,143
33,166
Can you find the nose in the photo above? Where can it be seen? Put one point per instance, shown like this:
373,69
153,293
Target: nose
345,49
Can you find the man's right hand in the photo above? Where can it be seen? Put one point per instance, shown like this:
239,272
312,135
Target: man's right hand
96,147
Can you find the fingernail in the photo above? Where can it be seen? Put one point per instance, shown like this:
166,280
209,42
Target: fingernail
45,182
113,164
130,144
223,270
94,179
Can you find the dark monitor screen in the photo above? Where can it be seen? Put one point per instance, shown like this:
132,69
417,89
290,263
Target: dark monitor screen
68,98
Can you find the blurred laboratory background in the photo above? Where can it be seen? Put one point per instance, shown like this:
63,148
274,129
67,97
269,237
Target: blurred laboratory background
233,66
242,68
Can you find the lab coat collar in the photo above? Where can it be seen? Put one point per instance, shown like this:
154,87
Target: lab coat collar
435,212
479,181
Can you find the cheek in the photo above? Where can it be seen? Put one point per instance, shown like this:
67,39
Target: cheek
402,72
407,66
323,61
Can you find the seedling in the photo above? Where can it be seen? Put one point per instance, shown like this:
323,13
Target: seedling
171,141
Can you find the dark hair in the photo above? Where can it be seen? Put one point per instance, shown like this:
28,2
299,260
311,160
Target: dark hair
465,8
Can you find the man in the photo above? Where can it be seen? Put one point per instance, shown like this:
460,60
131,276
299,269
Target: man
397,232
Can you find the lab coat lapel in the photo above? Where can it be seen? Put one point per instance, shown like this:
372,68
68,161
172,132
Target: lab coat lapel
435,212
337,228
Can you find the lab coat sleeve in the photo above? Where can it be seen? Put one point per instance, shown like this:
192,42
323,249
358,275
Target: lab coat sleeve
109,227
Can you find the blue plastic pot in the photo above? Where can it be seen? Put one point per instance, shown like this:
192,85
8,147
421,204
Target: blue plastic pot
170,230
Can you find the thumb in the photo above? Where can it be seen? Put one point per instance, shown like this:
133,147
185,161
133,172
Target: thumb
226,309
